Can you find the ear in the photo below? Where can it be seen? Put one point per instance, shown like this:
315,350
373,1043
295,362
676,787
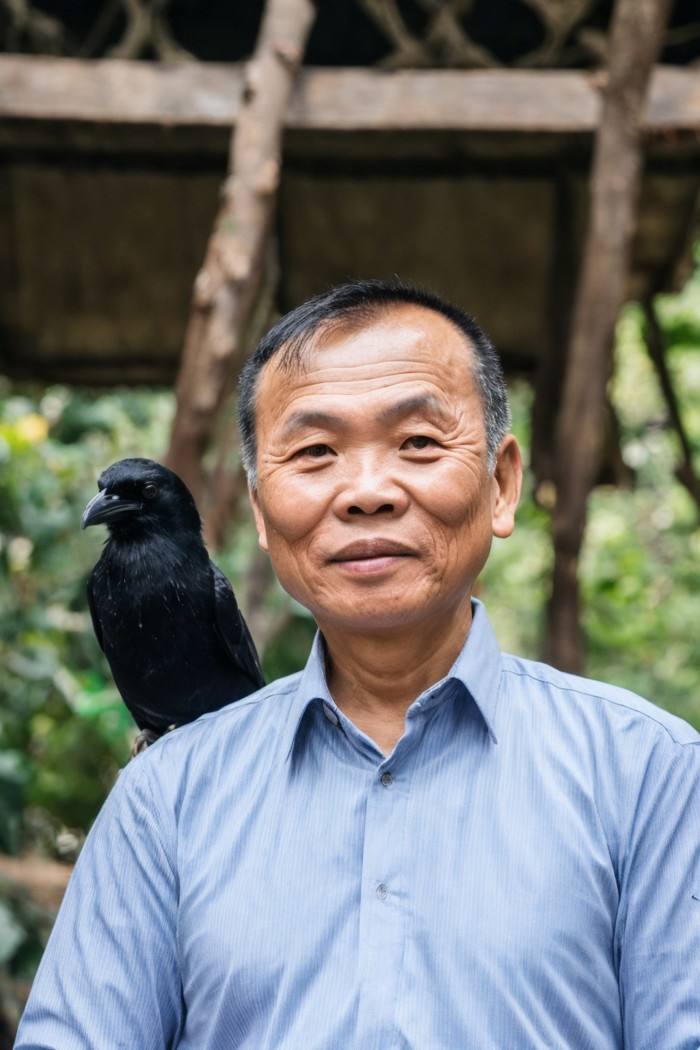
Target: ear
507,482
259,519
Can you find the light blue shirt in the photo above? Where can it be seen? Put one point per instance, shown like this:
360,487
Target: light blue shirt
522,871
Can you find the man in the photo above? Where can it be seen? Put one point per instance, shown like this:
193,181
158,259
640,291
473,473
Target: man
416,842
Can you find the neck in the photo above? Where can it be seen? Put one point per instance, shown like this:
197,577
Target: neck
170,548
374,678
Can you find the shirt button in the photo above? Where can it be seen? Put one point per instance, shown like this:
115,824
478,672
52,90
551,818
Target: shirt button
386,779
330,714
381,891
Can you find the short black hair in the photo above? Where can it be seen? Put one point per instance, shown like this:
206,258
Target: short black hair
362,301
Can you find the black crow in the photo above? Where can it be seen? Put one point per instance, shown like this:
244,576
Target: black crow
165,616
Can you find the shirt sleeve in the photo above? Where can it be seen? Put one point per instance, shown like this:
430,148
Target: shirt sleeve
659,910
109,976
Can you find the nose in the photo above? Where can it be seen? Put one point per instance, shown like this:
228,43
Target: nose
369,488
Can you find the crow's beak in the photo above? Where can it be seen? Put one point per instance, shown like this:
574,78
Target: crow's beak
105,507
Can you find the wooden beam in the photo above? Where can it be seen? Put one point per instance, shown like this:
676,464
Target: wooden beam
208,94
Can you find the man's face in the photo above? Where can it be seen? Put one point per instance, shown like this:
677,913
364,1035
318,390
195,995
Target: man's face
380,437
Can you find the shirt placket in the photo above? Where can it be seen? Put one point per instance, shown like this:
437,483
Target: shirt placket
385,898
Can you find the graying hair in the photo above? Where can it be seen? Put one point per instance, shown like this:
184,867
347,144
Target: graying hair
359,302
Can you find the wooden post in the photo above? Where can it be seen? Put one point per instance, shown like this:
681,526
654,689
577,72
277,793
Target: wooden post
227,285
636,36
549,377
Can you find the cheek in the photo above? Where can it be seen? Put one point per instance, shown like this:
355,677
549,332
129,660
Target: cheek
454,496
294,510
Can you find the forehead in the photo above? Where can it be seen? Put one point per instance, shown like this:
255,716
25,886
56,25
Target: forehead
374,359
129,473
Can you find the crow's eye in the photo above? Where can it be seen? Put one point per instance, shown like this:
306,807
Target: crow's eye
150,490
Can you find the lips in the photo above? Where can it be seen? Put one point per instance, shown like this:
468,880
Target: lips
372,548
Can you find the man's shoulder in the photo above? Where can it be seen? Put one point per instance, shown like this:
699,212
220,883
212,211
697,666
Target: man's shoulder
597,700
254,720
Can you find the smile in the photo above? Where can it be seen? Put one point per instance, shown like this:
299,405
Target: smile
371,549
372,566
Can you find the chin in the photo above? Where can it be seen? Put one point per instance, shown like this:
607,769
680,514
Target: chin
374,617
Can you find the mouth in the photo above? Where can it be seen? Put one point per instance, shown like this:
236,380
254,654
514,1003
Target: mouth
372,555
371,566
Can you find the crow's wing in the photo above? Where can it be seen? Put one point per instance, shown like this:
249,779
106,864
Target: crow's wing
96,626
233,630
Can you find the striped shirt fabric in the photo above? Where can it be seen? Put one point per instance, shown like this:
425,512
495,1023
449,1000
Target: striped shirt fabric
522,871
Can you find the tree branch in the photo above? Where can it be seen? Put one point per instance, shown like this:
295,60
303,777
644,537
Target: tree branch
227,284
264,623
226,487
445,44
46,34
448,40
656,345
559,18
147,26
636,38
408,51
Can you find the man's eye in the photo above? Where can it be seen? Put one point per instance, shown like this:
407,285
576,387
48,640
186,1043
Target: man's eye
419,441
315,451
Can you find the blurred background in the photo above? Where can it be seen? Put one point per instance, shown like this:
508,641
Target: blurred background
448,143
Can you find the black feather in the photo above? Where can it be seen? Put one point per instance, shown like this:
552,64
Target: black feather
164,615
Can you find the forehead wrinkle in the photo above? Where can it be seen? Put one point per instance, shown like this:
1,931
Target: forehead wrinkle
312,418
413,405
319,381
323,369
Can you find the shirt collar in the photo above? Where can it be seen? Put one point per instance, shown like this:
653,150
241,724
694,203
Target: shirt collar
478,668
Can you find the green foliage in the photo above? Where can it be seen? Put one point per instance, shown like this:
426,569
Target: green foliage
640,569
290,650
641,564
63,729
24,928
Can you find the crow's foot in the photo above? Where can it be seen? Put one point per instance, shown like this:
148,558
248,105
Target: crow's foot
144,739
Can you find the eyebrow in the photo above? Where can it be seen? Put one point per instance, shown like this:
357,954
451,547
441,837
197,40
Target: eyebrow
427,403
410,406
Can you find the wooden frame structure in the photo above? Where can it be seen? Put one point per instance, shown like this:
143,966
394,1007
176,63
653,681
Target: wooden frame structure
115,153
510,152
